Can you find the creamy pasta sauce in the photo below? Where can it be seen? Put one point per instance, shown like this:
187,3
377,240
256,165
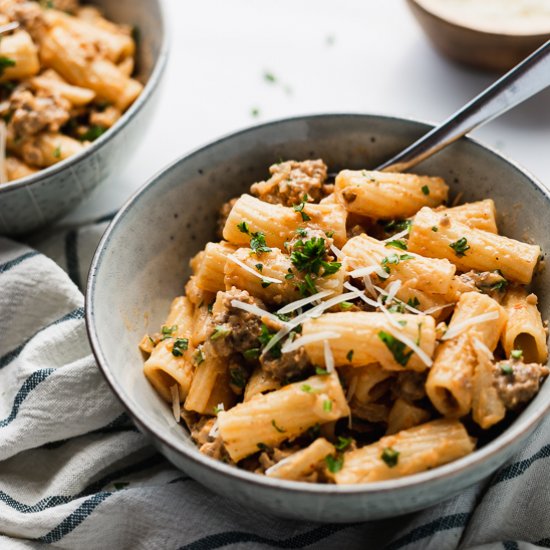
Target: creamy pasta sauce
499,16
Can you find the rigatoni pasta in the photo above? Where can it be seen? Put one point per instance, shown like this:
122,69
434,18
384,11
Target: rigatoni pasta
330,340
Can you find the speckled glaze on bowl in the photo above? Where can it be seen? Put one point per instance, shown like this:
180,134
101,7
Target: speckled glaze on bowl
142,263
35,201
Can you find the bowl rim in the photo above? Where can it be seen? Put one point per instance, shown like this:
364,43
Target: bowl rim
519,429
149,88
489,34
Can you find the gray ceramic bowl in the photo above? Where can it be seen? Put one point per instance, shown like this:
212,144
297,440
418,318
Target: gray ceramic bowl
142,263
37,200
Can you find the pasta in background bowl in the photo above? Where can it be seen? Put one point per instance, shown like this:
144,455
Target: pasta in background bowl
73,76
137,272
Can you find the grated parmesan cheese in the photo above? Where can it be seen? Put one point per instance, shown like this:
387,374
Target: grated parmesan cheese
329,357
253,271
304,301
458,328
308,339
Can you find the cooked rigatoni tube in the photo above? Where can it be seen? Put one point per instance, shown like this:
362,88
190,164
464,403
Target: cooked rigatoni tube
260,382
279,223
385,196
408,452
283,414
61,51
211,382
16,169
487,406
303,463
425,274
45,149
358,338
170,361
20,57
367,384
209,270
524,329
449,384
202,328
437,236
404,415
75,94
115,45
477,215
271,284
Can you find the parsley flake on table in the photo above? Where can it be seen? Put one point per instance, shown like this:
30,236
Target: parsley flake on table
460,247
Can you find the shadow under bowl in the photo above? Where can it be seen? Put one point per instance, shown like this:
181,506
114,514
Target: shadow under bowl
142,262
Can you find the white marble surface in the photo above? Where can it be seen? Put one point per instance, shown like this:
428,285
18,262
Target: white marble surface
347,56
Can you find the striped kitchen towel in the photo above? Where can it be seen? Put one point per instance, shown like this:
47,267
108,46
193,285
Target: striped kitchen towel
75,473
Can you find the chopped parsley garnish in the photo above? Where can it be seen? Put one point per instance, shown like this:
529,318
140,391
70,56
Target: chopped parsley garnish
220,332
257,242
57,152
395,226
343,443
327,405
5,62
349,355
265,337
398,244
289,276
199,356
307,288
270,77
259,267
307,388
255,112
394,259
346,305
278,428
402,322
396,308
243,228
517,354
180,345
265,283
390,457
460,247
237,377
167,332
413,302
321,372
507,369
434,228
396,347
329,234
307,257
301,232
218,408
251,354
334,464
425,190
92,133
300,208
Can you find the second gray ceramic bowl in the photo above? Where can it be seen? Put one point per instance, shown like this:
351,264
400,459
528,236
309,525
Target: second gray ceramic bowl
34,201
142,263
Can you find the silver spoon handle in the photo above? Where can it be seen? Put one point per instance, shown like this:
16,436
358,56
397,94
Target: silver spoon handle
525,80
